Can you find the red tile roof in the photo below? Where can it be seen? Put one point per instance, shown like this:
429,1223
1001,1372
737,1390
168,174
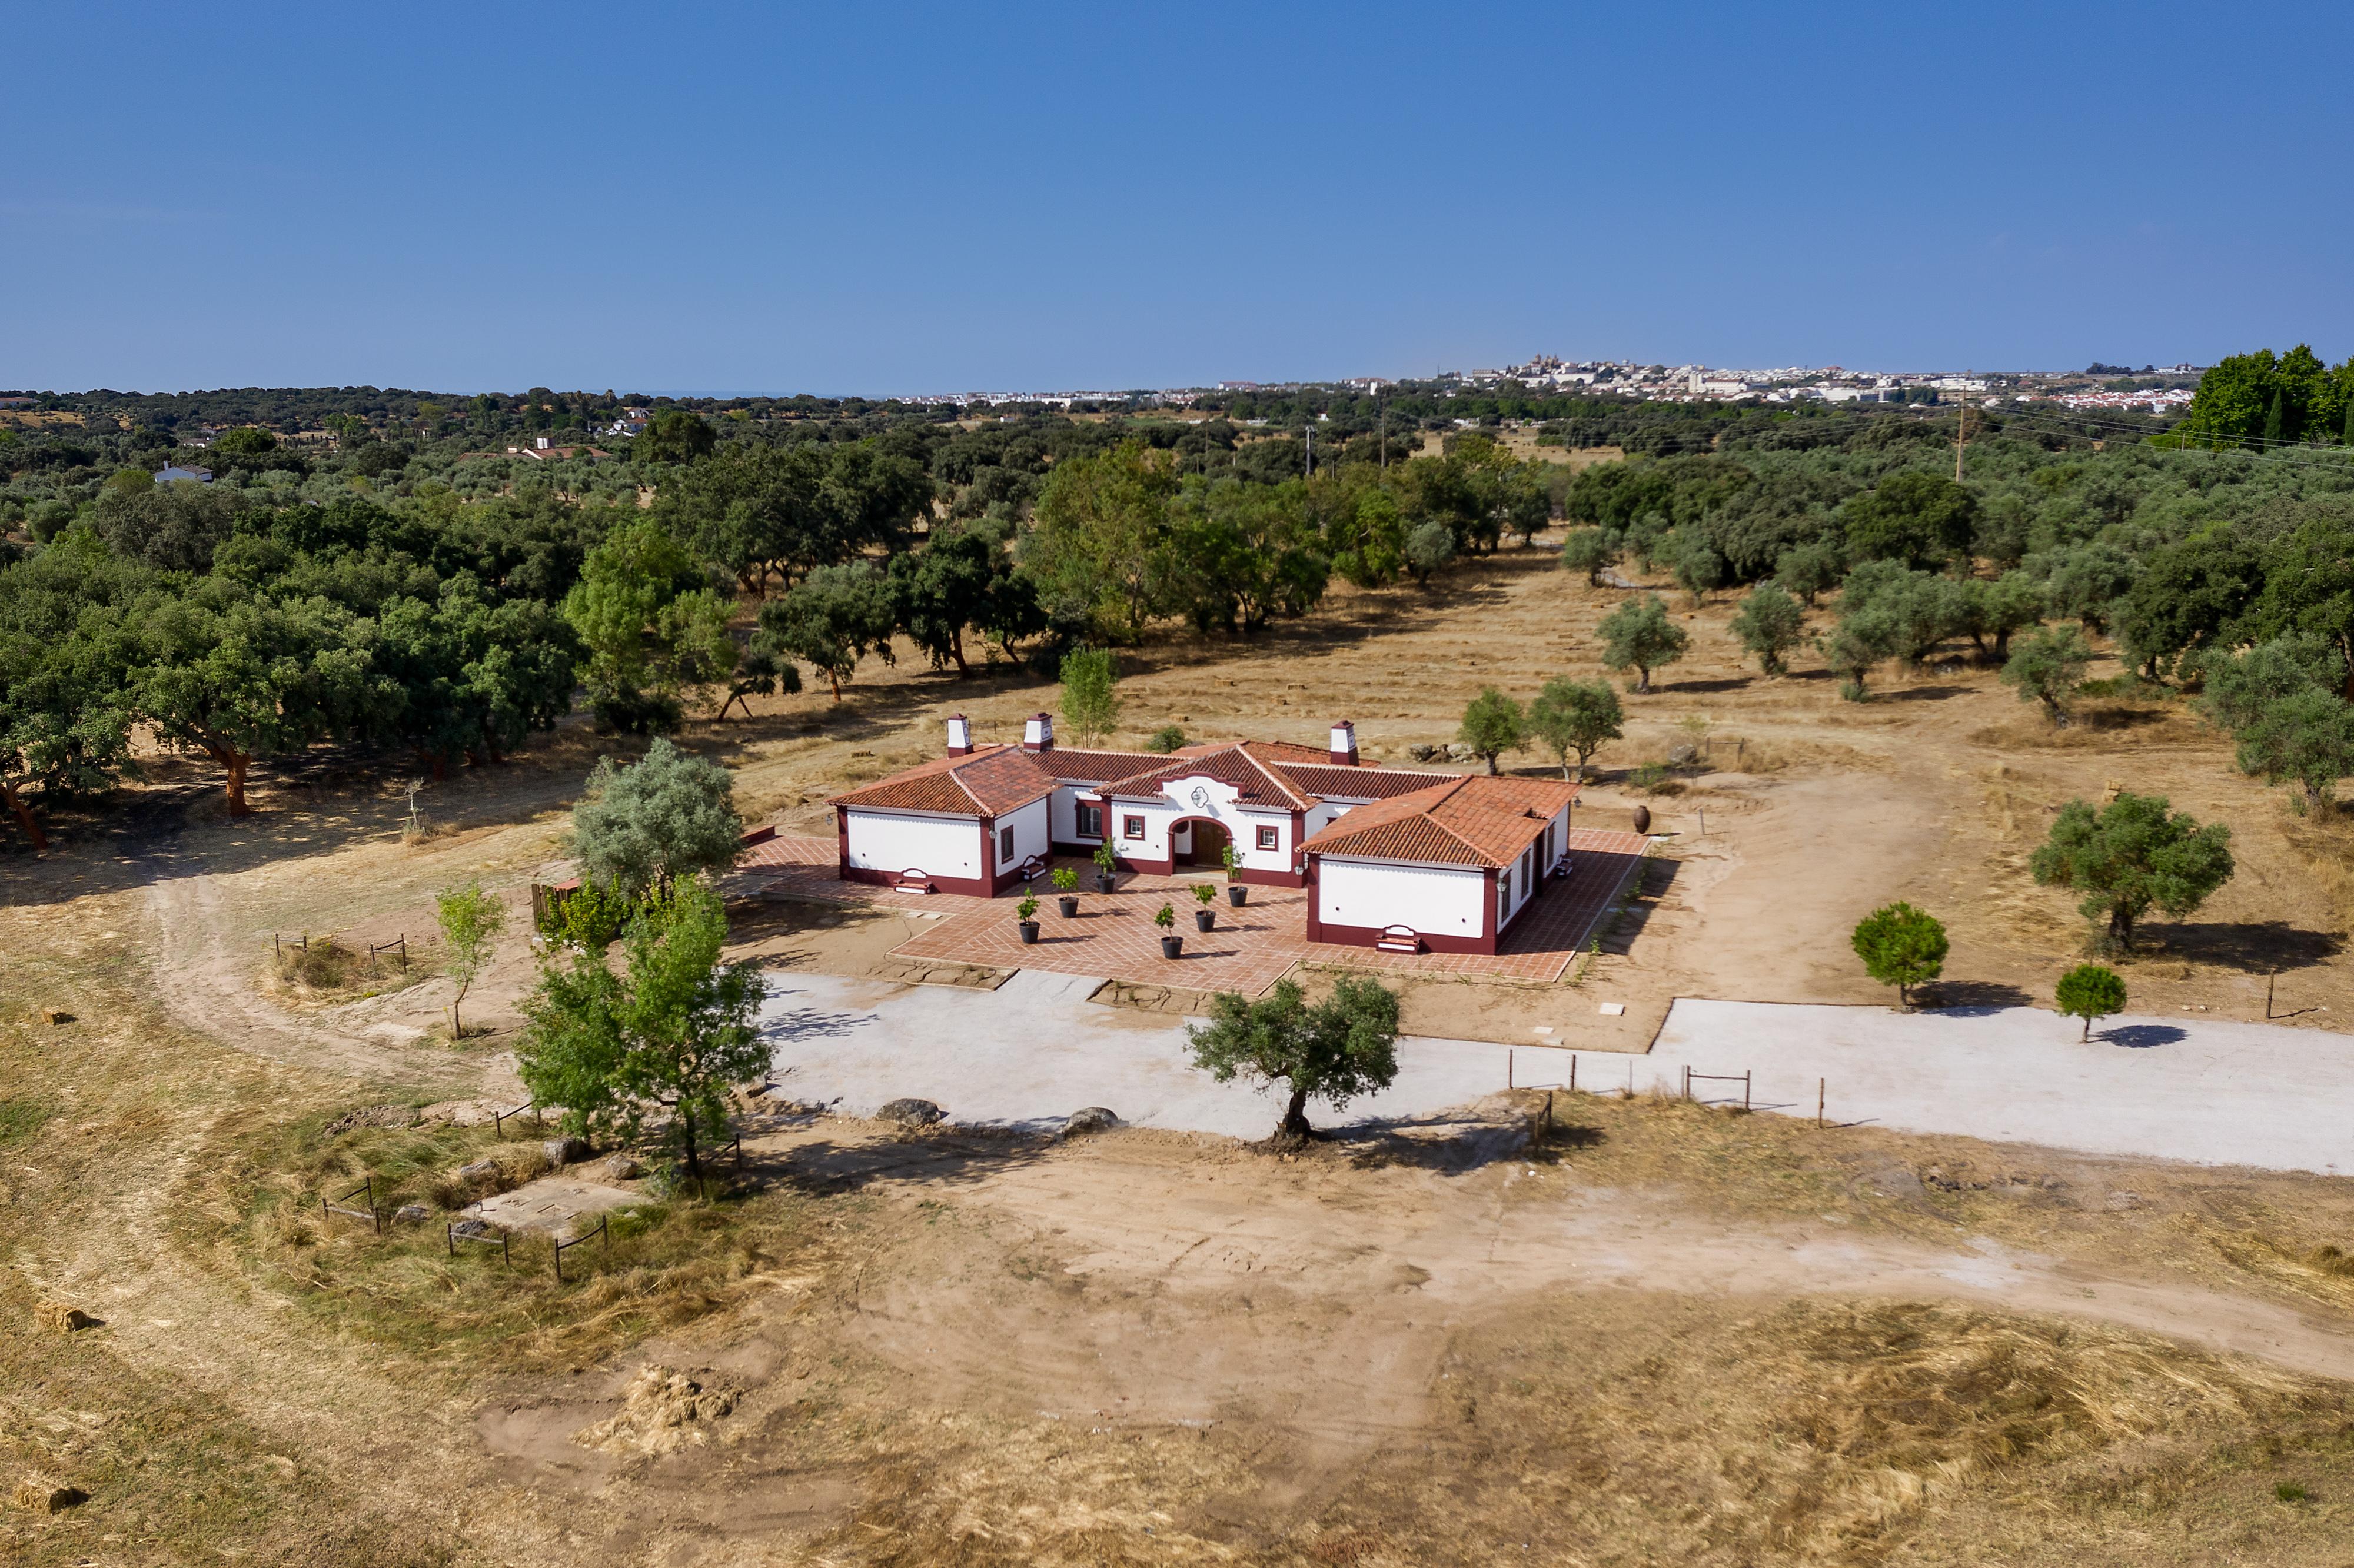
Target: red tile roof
1475,820
1256,783
992,780
1075,767
1339,781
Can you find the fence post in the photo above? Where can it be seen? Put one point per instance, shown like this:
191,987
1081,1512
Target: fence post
1818,1101
1686,1082
1509,1055
1573,1071
403,952
1745,1090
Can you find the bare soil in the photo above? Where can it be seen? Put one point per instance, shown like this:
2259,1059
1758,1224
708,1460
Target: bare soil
1666,1333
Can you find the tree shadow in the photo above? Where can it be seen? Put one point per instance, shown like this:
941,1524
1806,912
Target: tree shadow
1969,998
2253,947
1651,883
1450,1146
2142,1036
959,1156
1919,693
1731,683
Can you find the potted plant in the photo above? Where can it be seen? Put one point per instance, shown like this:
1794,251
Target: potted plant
1237,892
1105,867
1171,944
1204,919
1027,910
1067,881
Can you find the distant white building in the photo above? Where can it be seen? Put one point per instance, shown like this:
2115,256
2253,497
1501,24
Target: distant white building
172,472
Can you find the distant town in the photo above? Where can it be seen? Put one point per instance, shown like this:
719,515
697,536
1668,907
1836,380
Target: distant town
2158,388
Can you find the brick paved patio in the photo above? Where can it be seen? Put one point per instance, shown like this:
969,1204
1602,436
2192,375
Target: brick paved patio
1253,947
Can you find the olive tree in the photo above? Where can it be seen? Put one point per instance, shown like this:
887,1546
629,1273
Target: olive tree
1640,636
2130,857
644,828
2047,666
1342,1047
470,921
1492,725
1575,719
1769,624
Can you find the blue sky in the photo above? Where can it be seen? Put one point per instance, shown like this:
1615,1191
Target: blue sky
914,198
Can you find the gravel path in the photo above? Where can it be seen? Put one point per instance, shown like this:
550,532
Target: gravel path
2211,1092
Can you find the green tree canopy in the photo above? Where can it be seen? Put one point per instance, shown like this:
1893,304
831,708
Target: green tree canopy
1901,946
1639,635
471,920
2131,856
2279,700
666,819
1097,534
1769,623
2047,666
1575,718
670,1032
674,436
1492,725
1339,1050
1915,519
655,631
1429,547
1589,550
1090,678
833,617
2090,991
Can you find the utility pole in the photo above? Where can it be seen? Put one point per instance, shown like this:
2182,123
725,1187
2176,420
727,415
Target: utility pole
1960,432
1311,452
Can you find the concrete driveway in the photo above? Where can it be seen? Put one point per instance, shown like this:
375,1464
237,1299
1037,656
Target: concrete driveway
2214,1093
1030,1053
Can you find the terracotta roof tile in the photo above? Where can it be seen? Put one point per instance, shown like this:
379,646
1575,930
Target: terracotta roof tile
1473,820
1254,783
1097,767
992,780
1332,781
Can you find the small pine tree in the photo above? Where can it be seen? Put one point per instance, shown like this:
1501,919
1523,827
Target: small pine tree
2089,991
1901,946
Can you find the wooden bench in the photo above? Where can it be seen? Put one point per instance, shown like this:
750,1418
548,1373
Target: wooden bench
1399,939
913,881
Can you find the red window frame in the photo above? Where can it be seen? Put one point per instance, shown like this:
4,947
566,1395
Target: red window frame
1132,827
1269,838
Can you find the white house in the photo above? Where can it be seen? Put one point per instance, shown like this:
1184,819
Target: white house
1436,861
1448,868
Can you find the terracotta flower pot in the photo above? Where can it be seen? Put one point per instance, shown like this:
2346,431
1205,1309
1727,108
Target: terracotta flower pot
1029,931
1642,819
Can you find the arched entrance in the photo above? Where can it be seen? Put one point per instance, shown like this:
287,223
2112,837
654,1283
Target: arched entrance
1198,841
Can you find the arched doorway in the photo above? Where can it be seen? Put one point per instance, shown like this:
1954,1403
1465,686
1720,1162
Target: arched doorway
1199,842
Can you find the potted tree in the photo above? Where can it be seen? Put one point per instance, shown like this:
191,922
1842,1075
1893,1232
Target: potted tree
1171,944
1067,883
1027,910
1105,867
1237,891
1204,919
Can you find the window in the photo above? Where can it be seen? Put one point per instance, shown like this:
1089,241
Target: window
1132,827
1004,846
1090,820
1267,838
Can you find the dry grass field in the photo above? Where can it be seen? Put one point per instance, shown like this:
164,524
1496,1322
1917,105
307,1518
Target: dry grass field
1671,1334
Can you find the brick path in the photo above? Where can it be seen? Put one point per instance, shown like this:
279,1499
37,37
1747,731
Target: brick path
1253,947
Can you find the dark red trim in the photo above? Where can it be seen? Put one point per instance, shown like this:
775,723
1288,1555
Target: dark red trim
972,887
1271,878
842,831
1367,936
1486,915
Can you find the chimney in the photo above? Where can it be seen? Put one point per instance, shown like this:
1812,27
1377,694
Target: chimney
960,735
1038,732
1345,744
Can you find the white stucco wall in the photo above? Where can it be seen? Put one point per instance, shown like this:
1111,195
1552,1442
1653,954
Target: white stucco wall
901,841
1432,900
1029,825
